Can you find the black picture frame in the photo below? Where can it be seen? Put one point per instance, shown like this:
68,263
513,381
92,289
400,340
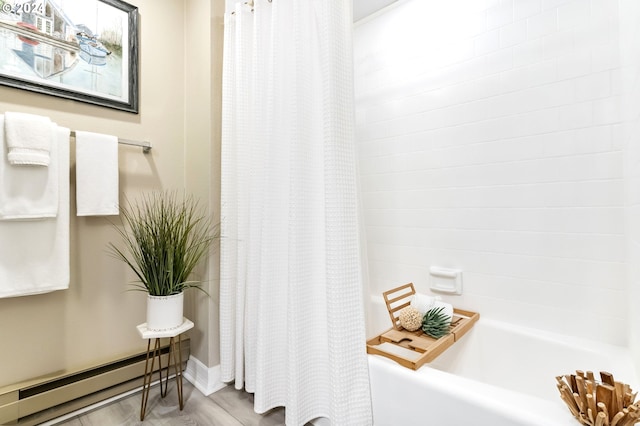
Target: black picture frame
85,50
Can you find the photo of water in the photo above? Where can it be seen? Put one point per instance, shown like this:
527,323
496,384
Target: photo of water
69,44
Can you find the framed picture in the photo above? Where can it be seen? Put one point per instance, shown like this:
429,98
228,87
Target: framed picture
85,50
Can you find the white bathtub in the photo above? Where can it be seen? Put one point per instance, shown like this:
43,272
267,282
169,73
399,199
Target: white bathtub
496,375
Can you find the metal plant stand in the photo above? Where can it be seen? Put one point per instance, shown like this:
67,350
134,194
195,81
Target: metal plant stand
175,360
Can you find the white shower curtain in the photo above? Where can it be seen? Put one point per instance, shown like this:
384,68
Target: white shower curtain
291,305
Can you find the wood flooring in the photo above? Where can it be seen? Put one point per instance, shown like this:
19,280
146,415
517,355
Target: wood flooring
226,407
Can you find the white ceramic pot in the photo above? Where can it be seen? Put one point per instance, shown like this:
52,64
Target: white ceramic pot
164,312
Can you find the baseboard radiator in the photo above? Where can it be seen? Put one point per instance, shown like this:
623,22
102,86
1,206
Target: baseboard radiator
38,401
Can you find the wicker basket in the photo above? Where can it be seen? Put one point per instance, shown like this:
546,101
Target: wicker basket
601,402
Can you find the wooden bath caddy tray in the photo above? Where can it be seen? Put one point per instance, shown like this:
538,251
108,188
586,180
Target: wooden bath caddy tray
412,349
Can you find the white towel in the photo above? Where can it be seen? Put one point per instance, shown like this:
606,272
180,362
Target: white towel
422,302
27,192
28,138
96,174
448,308
34,255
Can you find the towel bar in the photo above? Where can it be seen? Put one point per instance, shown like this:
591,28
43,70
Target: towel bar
145,145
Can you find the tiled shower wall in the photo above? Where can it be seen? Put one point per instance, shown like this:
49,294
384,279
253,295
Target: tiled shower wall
490,140
630,61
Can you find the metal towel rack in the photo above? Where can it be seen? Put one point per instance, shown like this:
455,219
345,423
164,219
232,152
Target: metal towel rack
145,145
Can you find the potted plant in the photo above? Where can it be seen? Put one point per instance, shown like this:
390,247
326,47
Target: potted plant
165,236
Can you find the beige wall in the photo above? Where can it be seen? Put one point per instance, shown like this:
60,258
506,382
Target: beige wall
203,76
94,321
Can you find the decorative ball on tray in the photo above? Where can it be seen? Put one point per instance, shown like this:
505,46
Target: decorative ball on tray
599,402
410,318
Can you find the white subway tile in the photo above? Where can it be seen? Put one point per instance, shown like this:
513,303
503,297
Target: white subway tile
607,193
605,57
602,248
499,61
542,73
500,15
607,110
441,77
593,86
526,8
500,106
557,44
597,139
575,116
609,303
536,74
471,23
613,330
549,95
617,138
558,270
542,24
574,13
481,88
471,112
547,170
513,34
513,79
634,228
487,42
574,64
565,143
633,198
528,53
552,4
605,8
617,87
538,122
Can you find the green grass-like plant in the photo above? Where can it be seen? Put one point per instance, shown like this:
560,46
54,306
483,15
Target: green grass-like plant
165,237
435,323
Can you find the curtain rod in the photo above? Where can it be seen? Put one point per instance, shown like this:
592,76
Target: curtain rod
251,4
145,145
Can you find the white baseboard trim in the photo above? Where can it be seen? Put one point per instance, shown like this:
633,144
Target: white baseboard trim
205,379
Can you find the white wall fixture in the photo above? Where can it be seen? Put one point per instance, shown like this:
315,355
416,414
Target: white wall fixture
444,280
